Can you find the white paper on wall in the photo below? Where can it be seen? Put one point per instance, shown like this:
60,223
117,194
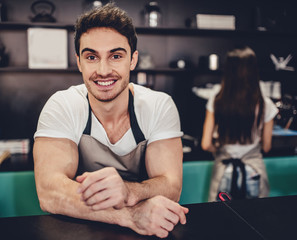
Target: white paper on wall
47,48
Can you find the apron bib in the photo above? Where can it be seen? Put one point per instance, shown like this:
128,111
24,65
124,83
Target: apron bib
93,155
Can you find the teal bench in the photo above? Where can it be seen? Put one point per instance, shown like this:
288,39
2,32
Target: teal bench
196,181
282,175
281,171
18,195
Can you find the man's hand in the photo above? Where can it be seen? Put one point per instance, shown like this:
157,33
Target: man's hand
103,189
157,216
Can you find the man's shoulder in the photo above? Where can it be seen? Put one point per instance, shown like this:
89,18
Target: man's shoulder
142,93
75,91
151,103
74,94
73,99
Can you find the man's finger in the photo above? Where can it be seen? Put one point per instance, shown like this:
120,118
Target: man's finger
95,188
171,216
97,176
89,179
179,211
82,177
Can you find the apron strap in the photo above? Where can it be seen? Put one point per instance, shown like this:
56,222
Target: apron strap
87,130
236,191
137,133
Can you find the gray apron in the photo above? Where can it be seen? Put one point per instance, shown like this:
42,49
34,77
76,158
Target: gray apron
94,155
253,159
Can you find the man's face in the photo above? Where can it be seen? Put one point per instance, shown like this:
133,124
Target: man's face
105,62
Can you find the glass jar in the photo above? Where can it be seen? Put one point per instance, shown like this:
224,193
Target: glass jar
152,15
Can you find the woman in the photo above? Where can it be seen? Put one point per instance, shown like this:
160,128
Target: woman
238,123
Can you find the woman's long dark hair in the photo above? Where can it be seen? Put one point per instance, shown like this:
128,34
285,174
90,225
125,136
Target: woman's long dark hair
240,95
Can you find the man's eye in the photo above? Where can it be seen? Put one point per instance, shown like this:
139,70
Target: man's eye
116,56
91,57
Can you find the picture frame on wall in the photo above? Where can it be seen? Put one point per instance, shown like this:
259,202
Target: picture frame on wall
47,48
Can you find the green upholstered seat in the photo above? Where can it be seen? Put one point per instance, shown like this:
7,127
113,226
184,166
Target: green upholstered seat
18,195
282,175
196,181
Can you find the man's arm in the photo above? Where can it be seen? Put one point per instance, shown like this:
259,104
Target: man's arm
55,165
164,165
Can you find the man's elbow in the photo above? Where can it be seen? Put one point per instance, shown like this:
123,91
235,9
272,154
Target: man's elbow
45,203
176,187
44,207
176,198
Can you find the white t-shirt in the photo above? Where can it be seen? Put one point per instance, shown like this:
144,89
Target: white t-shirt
238,150
65,115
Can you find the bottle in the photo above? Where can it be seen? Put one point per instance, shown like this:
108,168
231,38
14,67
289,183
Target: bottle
3,16
152,15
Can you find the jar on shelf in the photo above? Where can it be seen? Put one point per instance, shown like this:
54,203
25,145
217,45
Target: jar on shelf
152,15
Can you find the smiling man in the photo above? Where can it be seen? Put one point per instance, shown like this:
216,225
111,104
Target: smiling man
109,150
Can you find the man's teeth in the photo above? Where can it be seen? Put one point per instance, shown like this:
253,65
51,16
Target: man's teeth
104,83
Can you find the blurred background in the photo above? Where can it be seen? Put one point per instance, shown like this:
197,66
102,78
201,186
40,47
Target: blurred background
178,55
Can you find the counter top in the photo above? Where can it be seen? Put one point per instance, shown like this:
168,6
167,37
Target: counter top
266,218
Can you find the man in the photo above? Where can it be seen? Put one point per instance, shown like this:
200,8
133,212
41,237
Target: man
109,150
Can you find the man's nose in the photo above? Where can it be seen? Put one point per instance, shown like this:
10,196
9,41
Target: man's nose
103,68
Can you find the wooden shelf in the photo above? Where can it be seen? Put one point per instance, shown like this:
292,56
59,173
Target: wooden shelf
75,70
26,25
11,69
174,71
155,31
210,32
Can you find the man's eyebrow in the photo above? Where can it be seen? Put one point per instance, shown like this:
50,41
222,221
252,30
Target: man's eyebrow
111,51
118,49
88,50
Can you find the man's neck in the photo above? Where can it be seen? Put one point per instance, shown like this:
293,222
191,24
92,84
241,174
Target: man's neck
111,111
113,115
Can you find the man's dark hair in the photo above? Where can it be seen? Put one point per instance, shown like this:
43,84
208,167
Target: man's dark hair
108,16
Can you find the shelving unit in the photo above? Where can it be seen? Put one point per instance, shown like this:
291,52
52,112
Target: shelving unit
160,31
157,31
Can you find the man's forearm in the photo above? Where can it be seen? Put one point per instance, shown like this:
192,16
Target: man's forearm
152,187
61,197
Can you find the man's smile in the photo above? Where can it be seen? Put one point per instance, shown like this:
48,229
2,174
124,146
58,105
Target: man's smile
105,83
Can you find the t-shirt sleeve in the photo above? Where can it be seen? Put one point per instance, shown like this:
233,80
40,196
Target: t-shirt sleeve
270,109
210,104
164,121
60,119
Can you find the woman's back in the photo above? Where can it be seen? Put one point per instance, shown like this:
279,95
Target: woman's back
238,106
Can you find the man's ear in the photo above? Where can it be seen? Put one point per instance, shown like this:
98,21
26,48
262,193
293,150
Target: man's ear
78,62
134,60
